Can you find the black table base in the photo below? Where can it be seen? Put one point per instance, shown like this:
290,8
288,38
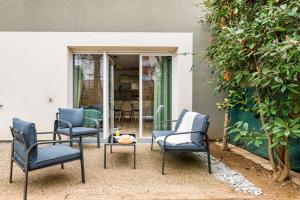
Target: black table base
117,144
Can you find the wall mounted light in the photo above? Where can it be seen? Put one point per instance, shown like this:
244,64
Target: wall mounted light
50,99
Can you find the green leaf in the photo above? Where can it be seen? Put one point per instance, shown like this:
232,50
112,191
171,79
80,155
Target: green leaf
239,31
251,46
283,89
279,80
237,137
287,132
279,122
280,29
257,142
283,6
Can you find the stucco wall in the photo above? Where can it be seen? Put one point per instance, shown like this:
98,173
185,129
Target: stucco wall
121,16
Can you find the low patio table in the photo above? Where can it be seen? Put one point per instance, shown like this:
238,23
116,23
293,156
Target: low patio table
115,143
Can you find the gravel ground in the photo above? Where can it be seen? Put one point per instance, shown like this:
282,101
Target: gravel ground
186,178
231,177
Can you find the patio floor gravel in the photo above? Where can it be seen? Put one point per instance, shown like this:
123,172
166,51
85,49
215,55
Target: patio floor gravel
186,177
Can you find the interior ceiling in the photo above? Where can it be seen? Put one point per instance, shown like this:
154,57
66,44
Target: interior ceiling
125,61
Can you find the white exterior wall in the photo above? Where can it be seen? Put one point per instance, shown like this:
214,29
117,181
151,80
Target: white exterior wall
36,65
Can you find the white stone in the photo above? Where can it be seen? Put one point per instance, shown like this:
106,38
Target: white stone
231,177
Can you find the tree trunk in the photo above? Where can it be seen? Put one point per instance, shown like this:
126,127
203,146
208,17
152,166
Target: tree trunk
225,133
281,168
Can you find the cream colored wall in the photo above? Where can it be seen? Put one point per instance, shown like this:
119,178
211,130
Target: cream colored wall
36,65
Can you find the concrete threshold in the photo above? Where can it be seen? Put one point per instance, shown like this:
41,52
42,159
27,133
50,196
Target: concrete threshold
294,176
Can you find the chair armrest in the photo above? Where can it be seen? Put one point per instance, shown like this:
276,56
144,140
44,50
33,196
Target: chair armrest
44,133
182,133
94,120
66,123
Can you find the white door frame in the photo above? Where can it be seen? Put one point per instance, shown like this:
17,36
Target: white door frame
106,116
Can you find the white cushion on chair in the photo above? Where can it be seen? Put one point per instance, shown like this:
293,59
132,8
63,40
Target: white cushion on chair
185,126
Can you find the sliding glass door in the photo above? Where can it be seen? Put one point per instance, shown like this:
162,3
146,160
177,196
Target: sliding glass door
99,84
156,78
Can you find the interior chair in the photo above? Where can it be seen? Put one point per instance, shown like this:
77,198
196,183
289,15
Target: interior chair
199,140
27,153
126,108
135,110
70,122
158,133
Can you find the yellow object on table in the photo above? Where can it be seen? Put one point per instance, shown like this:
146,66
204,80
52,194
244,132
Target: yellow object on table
117,133
125,139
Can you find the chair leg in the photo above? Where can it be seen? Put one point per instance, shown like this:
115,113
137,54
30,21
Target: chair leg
98,139
54,137
120,116
152,143
11,161
71,142
104,164
81,161
208,153
134,156
11,170
82,170
80,140
25,184
163,163
208,162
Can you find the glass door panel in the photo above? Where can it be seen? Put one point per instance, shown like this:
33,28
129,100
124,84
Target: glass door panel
156,93
88,86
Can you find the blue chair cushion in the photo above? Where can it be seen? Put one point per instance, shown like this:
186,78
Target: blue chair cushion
77,131
53,154
200,123
30,137
72,115
162,133
180,119
182,147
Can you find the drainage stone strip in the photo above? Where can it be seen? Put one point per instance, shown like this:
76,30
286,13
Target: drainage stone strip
231,177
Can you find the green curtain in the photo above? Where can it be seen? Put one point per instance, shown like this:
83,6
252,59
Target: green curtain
163,91
77,86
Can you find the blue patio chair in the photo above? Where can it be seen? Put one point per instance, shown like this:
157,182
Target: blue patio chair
199,138
28,155
69,122
158,133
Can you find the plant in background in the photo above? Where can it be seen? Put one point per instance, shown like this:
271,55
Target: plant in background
233,99
256,45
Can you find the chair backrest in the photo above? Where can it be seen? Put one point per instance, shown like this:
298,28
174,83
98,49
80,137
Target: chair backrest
24,136
135,105
72,115
126,106
200,124
179,120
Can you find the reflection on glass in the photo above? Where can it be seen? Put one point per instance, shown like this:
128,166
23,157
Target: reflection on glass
88,86
157,92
